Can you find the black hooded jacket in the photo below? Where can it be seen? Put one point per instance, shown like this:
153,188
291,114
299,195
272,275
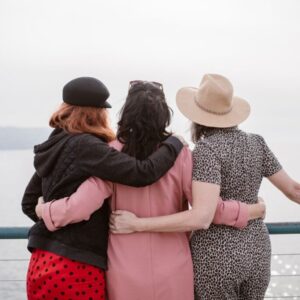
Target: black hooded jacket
62,163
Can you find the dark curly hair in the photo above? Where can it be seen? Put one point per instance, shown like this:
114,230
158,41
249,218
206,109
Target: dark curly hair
143,120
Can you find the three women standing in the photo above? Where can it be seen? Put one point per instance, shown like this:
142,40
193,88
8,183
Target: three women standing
149,266
228,263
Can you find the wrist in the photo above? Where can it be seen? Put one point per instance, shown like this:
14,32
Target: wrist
256,211
139,225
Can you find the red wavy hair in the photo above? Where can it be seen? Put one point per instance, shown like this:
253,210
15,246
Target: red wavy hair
80,119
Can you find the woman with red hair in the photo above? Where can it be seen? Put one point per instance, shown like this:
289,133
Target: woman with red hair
70,263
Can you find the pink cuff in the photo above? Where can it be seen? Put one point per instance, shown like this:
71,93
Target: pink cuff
243,216
46,216
231,213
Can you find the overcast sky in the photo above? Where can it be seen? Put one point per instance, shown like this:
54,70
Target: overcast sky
256,44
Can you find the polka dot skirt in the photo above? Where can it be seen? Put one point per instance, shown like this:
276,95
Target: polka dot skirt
54,277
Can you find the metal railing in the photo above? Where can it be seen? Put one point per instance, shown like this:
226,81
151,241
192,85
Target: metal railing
274,229
13,233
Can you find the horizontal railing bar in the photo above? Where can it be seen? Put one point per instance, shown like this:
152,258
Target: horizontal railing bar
274,228
285,254
14,233
282,297
14,259
12,280
284,228
27,259
286,275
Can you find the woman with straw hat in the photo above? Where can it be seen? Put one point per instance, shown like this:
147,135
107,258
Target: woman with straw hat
227,162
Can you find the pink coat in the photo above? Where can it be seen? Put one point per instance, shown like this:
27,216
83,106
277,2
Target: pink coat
148,266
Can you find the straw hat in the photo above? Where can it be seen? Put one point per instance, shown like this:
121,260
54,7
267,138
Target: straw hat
213,103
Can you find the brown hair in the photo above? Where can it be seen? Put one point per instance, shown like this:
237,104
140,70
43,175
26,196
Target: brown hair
80,119
199,131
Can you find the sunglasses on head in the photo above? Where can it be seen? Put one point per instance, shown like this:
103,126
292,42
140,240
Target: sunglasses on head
154,83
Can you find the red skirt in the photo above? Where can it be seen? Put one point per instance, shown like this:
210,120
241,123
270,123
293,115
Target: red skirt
55,277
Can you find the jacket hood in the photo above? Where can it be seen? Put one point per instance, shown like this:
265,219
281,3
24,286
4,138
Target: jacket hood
47,153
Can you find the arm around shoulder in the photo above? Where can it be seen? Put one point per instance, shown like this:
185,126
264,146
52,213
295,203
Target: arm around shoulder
97,158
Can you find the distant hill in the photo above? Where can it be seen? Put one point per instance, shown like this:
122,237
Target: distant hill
14,138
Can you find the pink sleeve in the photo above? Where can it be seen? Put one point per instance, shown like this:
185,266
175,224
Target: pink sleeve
79,206
231,213
187,170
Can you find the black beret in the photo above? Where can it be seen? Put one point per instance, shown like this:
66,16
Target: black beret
86,91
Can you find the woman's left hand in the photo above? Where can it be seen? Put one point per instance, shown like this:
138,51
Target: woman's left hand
122,222
39,207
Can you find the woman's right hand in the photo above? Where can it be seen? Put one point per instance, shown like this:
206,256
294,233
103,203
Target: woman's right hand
257,210
122,222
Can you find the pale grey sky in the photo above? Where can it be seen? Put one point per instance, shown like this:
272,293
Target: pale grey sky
255,43
45,43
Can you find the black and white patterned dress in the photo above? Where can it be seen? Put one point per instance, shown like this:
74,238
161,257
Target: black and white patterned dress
230,263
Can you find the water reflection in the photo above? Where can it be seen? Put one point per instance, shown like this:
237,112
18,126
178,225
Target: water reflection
285,280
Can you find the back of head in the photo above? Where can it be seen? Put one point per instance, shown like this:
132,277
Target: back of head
143,119
84,108
81,119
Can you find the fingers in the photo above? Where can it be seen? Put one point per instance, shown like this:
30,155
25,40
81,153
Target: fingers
41,200
117,212
264,208
120,222
112,223
115,227
260,199
112,227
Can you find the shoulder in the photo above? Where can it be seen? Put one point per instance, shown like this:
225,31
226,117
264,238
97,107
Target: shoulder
257,138
206,153
183,163
88,145
204,146
185,154
88,139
